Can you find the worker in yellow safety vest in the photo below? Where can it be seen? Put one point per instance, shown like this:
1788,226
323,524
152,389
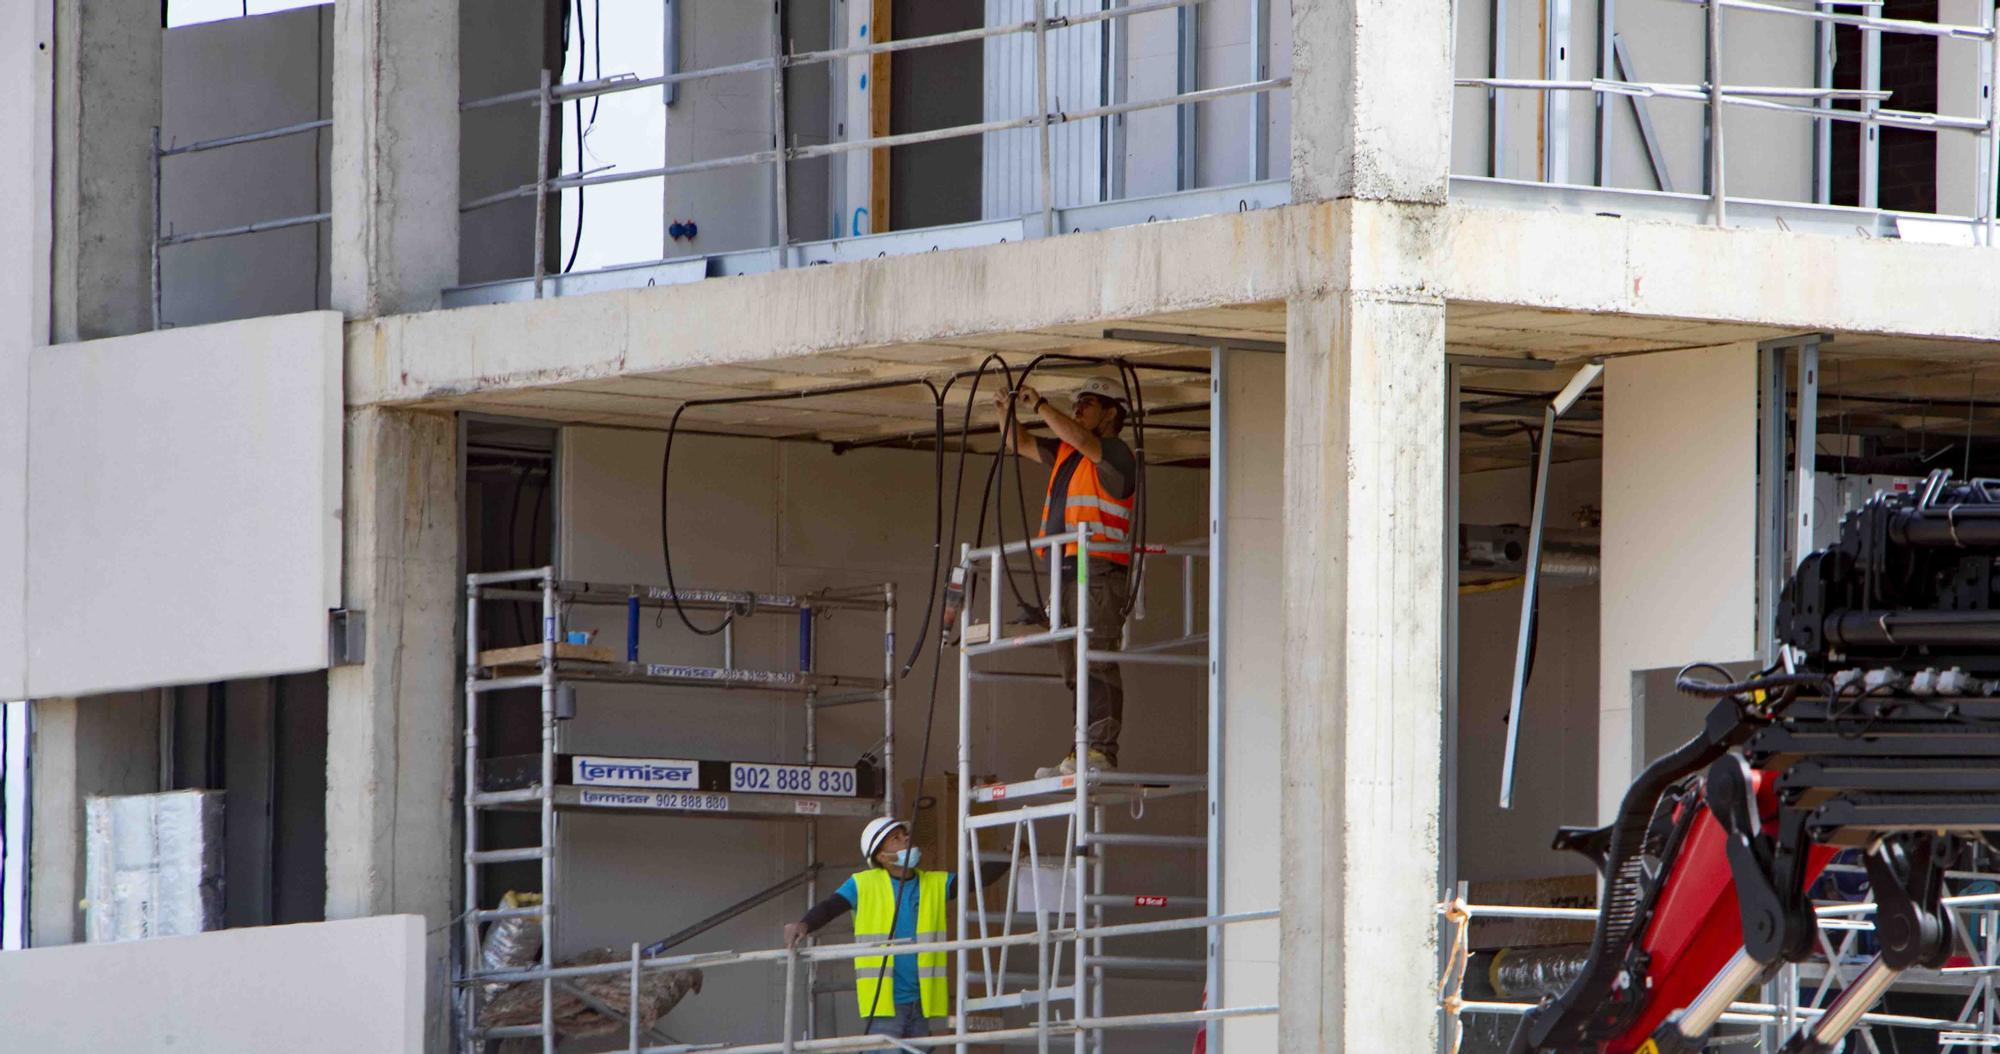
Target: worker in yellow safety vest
895,897
1092,482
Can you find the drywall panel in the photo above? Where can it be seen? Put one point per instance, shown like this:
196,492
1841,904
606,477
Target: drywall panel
1679,548
26,88
321,988
184,505
794,517
1252,500
1011,160
280,70
1556,782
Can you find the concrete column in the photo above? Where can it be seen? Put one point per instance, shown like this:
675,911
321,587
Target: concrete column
1371,99
395,155
107,100
391,727
1252,508
107,744
1363,528
1364,461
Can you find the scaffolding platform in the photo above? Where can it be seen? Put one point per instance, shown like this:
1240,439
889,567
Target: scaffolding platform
554,782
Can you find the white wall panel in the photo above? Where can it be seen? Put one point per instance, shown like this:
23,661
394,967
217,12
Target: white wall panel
25,90
183,505
320,988
1011,159
1680,532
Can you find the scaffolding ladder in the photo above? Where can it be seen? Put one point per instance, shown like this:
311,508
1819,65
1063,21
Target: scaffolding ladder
555,666
1068,967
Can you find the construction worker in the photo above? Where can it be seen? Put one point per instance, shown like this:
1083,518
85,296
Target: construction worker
1093,479
894,898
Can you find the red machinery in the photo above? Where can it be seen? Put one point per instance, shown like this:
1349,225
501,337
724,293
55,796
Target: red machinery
1879,731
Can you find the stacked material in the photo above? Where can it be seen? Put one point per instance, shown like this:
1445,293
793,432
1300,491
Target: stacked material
152,865
659,992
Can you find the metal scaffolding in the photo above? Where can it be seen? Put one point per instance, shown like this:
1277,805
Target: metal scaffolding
1800,992
164,238
802,793
549,95
1814,102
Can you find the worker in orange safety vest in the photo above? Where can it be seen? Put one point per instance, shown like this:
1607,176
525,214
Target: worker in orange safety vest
1092,483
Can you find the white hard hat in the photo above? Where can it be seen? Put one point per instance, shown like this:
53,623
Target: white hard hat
878,829
1103,389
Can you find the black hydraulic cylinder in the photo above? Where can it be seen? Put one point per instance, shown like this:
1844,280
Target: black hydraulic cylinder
1880,629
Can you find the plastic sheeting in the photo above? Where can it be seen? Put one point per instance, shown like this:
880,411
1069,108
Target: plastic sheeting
152,865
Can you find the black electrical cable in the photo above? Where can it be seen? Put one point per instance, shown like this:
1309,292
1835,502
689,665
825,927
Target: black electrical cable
937,529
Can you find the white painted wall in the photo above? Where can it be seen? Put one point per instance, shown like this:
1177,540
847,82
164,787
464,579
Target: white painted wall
26,89
1253,670
321,988
183,505
794,517
1556,778
1680,507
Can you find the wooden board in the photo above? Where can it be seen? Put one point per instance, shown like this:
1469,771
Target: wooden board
530,655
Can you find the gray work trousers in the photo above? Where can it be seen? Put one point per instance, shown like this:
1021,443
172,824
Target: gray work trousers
1110,583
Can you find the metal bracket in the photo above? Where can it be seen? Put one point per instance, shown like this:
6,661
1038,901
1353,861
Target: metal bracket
346,637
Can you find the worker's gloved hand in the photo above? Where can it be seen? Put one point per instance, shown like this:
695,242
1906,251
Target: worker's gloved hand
794,933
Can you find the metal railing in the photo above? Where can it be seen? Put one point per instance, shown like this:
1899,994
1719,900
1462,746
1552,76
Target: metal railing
549,95
1616,79
164,238
794,958
1977,1024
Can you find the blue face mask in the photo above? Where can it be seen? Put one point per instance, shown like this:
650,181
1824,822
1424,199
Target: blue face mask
907,858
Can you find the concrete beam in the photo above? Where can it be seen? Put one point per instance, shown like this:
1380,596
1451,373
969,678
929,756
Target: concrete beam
1371,99
1551,260
1364,461
107,99
107,744
395,155
391,736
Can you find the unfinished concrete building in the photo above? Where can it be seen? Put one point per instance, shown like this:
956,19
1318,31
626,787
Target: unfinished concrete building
527,468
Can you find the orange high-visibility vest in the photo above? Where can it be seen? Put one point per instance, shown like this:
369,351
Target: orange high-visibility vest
1089,502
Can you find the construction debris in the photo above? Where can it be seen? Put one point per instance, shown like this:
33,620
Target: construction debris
581,1002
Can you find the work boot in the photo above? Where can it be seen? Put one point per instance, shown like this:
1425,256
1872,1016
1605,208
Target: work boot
1096,761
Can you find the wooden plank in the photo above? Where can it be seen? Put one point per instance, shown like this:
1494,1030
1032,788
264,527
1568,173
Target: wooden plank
531,654
880,29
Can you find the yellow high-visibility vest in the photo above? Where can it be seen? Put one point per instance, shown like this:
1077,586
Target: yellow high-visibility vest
875,985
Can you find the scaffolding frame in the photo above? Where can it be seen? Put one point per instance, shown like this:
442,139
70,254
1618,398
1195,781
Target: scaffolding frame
162,238
1977,1025
548,96
1078,800
553,674
1819,97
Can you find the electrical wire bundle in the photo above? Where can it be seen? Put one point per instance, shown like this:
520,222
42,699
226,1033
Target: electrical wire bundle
991,491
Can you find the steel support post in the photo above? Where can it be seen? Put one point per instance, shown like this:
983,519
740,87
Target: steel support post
1448,785
1043,137
1218,470
1823,60
549,622
1187,78
154,254
1607,28
1871,133
1555,105
1260,103
1496,104
966,879
1989,177
1717,199
1085,854
1772,518
1805,448
780,191
542,103
469,952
